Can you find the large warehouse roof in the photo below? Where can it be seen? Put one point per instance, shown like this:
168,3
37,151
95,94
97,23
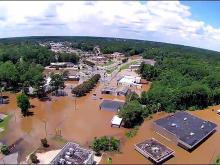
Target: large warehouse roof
186,127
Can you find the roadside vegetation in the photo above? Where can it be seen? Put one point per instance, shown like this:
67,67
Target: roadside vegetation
86,86
4,124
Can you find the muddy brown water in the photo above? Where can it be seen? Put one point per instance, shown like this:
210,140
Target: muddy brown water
87,121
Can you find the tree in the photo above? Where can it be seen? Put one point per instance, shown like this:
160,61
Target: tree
57,81
44,143
132,114
132,96
5,150
23,103
9,74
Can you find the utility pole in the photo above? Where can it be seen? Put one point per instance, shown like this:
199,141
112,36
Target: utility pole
45,126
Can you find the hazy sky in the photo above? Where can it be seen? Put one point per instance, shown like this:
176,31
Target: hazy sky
181,22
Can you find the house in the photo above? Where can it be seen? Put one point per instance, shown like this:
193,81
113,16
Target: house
72,153
116,121
184,129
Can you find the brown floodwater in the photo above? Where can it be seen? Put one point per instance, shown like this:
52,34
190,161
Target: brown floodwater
81,123
203,154
87,121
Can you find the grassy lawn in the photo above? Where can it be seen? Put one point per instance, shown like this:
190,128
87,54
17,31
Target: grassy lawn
59,139
108,63
109,71
217,161
4,125
126,66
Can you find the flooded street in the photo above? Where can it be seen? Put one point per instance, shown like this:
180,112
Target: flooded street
81,123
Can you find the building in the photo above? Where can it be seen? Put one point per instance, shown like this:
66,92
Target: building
184,129
149,62
73,77
108,90
72,153
134,66
111,105
218,112
123,91
116,121
129,81
61,65
154,150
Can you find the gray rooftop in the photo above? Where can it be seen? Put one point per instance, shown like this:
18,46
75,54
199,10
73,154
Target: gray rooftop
72,153
111,105
153,149
188,128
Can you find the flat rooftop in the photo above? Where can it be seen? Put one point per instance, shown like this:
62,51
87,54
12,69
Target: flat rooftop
153,149
186,127
111,105
72,153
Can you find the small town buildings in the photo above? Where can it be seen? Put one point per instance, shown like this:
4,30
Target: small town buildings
111,105
72,154
184,129
154,150
116,121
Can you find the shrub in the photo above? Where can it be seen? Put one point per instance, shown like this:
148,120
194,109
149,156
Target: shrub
5,150
105,144
131,133
34,158
44,142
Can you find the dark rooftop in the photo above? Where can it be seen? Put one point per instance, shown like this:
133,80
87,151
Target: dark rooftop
153,149
188,128
111,105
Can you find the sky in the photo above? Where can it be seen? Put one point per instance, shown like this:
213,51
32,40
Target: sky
192,23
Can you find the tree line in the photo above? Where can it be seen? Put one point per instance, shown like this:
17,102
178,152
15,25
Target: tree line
86,86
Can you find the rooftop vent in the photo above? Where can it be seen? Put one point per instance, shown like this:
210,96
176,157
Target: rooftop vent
192,133
185,118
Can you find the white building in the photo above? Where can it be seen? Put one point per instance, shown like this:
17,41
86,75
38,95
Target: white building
116,121
130,81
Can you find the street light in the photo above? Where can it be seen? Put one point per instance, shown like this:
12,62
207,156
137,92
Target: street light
45,126
74,96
